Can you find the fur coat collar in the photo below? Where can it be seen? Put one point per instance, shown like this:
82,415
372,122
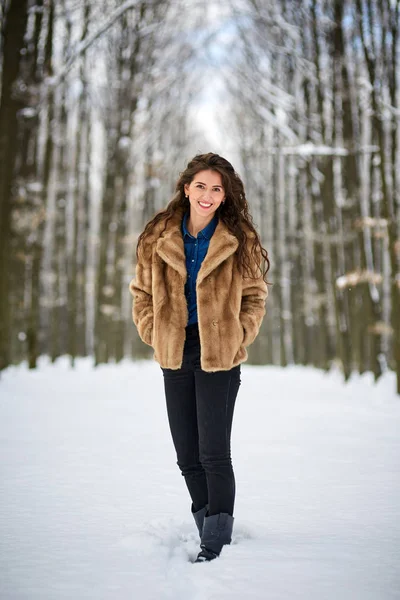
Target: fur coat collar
170,247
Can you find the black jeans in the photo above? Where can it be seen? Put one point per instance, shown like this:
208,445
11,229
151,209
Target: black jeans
200,411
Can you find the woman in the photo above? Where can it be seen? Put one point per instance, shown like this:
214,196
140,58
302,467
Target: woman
199,300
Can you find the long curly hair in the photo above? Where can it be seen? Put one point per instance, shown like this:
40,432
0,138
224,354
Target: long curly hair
233,212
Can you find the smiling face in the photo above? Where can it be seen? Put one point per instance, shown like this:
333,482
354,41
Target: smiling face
205,193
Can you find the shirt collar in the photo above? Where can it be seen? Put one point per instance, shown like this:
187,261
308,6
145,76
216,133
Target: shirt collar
207,232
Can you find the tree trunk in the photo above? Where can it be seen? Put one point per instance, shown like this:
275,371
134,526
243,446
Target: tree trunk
11,101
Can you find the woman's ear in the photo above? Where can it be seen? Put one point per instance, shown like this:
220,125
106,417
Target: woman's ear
186,188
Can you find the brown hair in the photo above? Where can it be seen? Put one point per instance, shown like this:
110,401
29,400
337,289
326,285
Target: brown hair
233,212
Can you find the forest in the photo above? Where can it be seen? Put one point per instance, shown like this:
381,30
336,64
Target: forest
102,104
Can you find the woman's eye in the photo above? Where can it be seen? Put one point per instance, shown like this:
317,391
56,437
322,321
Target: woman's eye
198,185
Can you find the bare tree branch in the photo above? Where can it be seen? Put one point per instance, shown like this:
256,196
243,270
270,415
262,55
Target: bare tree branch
86,43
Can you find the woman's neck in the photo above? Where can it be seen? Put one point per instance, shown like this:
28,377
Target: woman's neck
195,224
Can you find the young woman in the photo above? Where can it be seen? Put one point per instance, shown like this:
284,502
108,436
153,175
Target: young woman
199,300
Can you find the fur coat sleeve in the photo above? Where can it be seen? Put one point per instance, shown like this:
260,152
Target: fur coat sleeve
252,311
142,308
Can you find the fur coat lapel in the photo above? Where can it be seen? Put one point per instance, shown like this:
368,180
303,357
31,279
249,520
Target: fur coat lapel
171,249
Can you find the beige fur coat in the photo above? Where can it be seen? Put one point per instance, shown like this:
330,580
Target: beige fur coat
230,308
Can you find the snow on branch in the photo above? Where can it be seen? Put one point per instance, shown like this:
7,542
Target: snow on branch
82,46
336,238
356,277
309,149
380,328
369,222
278,123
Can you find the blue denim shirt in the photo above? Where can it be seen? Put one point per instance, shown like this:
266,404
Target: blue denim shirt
195,252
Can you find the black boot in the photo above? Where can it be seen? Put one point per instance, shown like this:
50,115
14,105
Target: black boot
217,531
199,518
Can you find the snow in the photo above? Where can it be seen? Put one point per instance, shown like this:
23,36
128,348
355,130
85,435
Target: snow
27,113
124,143
92,505
36,187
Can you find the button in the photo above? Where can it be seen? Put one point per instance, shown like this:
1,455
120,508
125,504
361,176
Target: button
192,259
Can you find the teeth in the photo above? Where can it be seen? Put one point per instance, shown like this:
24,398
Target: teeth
204,204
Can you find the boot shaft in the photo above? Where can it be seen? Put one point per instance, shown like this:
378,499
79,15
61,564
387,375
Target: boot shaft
217,532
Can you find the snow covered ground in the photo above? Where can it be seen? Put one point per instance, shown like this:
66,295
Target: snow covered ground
92,505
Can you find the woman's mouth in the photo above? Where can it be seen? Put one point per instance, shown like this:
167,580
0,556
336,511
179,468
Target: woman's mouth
205,204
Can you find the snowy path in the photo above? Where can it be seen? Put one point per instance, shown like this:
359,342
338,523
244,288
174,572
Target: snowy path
92,505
